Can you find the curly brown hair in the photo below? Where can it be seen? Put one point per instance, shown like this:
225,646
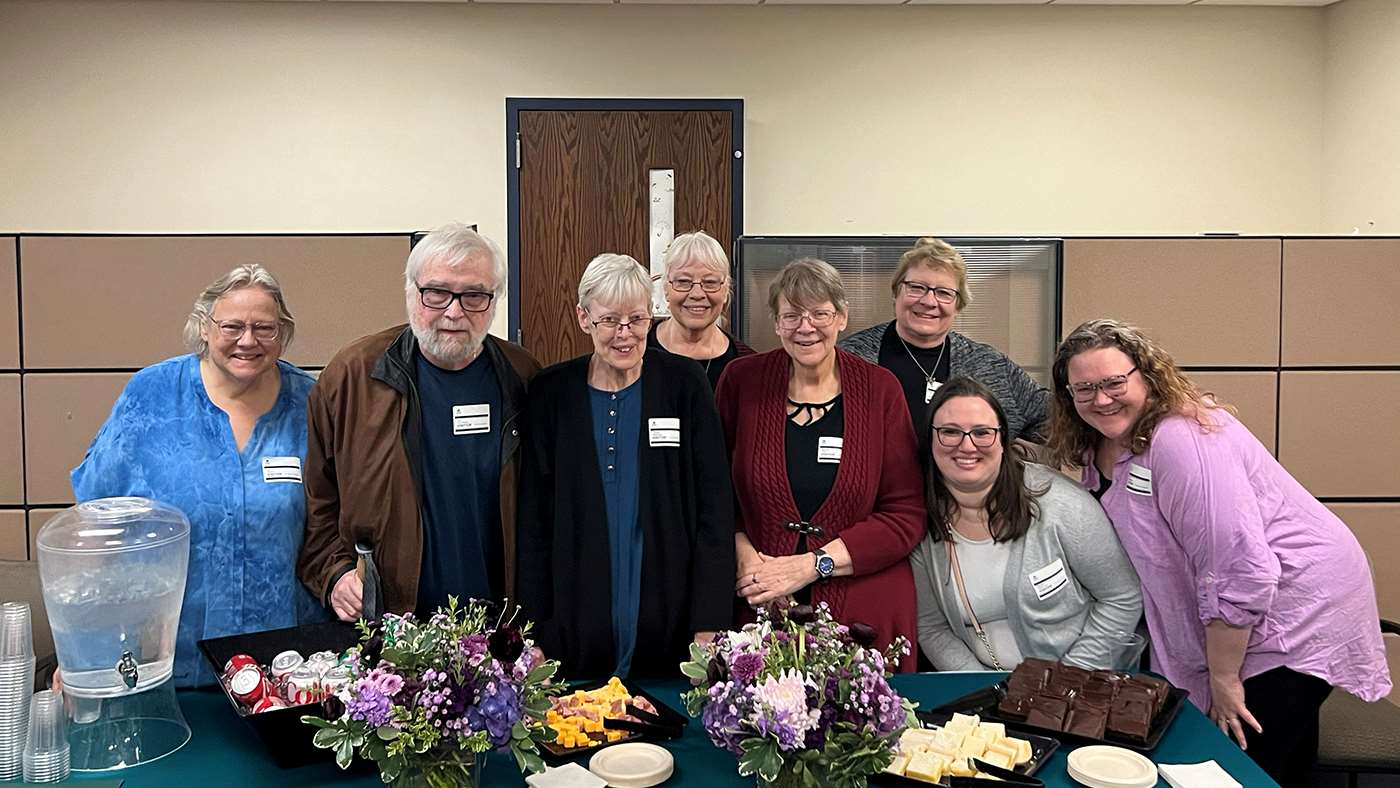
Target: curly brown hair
1169,391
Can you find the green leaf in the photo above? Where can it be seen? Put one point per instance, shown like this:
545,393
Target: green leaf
542,672
388,732
344,753
698,654
519,731
316,722
327,738
694,671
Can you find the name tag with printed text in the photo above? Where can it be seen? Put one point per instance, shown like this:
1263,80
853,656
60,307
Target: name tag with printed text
664,432
828,449
1049,579
471,419
1139,480
282,469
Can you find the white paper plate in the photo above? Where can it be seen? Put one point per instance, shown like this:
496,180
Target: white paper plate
1101,766
633,765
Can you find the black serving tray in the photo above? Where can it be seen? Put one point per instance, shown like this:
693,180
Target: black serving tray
286,737
673,720
984,702
1042,747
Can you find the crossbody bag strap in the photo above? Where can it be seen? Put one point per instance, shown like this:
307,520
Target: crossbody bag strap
967,600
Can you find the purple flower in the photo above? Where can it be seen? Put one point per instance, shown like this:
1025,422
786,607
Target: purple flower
746,666
722,717
368,704
496,712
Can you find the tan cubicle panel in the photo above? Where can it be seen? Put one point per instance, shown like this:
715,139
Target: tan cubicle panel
1209,302
1377,528
1253,394
62,414
11,442
37,519
1338,432
133,294
14,544
1339,302
9,305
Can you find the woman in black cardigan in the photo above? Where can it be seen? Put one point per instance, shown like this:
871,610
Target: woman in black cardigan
626,522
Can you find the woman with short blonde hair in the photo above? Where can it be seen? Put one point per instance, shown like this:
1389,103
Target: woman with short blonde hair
697,288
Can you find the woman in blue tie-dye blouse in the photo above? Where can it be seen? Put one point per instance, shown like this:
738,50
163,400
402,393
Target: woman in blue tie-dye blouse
220,433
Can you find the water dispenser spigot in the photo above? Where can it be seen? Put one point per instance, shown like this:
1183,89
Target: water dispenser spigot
127,667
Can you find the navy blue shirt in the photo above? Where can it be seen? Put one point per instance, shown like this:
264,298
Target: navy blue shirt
461,469
617,429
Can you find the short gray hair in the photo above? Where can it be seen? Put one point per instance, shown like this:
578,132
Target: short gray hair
614,278
699,247
807,283
453,243
246,275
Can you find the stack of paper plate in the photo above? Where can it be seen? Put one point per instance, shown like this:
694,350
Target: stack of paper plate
633,765
1101,766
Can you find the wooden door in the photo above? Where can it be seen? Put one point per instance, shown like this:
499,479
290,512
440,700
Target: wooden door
584,185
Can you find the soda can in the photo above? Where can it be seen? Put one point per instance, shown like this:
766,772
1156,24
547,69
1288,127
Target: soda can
235,662
303,686
336,679
283,664
322,661
247,686
268,703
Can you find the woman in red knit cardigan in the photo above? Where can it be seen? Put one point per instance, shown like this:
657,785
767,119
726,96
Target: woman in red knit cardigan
826,474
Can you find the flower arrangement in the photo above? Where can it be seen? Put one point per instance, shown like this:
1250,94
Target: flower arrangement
801,699
427,698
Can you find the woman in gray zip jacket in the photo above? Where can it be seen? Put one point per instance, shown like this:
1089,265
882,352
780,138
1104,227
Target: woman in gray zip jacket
1030,550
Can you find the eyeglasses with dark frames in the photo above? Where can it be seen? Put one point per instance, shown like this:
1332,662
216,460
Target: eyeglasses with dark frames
638,324
916,292
952,437
684,285
1114,386
234,329
470,300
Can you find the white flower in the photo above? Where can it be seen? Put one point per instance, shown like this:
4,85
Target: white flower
783,698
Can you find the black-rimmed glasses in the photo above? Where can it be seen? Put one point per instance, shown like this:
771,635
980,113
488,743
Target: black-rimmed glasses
684,285
470,301
952,437
1114,386
610,324
234,329
916,291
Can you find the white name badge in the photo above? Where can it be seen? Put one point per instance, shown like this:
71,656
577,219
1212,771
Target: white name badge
471,419
1049,580
828,449
282,469
664,432
1139,480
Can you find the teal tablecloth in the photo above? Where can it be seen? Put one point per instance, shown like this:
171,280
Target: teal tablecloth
224,751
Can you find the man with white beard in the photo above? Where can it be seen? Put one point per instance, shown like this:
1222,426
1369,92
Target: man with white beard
413,444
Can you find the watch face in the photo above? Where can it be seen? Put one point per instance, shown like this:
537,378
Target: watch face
826,565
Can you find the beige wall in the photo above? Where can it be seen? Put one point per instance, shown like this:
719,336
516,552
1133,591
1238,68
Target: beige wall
257,117
1361,163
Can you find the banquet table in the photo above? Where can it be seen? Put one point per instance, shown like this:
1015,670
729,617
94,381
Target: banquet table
224,751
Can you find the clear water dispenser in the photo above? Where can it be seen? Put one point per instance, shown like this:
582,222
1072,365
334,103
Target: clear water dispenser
113,573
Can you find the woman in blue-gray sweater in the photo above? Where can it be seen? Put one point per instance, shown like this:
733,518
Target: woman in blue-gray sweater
1019,561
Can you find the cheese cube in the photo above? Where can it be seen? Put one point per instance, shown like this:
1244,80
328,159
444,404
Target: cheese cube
972,747
968,721
1003,748
1023,750
924,766
959,767
897,766
998,759
994,731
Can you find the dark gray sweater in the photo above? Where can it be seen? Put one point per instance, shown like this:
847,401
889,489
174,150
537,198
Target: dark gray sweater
1026,402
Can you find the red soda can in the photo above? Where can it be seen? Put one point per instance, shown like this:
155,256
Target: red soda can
247,686
236,662
303,686
268,703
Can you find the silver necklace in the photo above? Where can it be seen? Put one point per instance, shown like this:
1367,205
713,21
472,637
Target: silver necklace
930,385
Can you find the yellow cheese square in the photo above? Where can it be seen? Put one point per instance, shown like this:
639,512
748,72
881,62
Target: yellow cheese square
897,766
959,767
968,721
972,747
925,767
1023,750
992,731
998,759
1003,748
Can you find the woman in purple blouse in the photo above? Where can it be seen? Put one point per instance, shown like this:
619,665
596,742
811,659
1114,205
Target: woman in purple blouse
1258,599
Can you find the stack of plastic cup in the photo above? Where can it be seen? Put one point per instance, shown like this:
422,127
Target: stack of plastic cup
16,685
46,754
